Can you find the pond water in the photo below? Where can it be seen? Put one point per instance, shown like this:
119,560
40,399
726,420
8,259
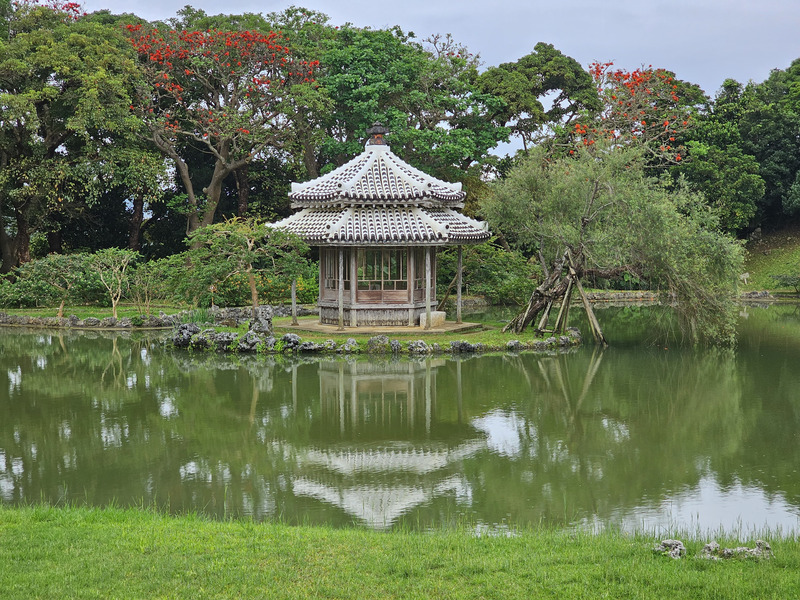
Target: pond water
639,436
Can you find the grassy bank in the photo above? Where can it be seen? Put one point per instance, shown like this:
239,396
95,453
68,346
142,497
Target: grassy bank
114,553
777,253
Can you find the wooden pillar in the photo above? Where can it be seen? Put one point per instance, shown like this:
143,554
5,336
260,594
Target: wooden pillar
322,258
427,287
458,290
294,303
353,287
412,260
341,289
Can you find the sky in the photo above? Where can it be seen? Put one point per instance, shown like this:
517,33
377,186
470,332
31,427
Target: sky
702,41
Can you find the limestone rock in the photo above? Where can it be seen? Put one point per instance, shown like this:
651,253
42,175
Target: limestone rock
418,347
672,548
262,323
291,341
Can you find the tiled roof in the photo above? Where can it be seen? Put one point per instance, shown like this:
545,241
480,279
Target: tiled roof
384,225
377,176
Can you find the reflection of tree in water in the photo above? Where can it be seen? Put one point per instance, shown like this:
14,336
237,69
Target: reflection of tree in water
597,431
770,454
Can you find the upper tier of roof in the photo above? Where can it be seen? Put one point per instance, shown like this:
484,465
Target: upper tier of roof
376,177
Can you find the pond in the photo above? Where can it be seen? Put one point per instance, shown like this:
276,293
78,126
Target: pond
639,436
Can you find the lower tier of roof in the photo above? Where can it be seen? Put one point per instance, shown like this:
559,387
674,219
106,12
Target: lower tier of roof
400,226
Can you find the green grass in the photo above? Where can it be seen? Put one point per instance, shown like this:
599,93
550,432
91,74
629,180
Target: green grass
777,254
84,311
50,552
489,334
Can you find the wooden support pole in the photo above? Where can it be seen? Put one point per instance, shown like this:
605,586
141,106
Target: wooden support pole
294,303
458,288
427,287
341,289
323,252
594,324
353,287
563,313
545,316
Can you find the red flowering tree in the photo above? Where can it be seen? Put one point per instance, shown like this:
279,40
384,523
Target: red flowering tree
227,94
646,106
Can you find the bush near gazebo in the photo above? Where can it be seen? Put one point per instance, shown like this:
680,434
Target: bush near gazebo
54,280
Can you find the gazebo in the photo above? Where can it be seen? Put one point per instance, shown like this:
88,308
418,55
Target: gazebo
378,222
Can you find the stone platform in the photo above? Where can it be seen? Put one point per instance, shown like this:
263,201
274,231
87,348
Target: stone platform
312,324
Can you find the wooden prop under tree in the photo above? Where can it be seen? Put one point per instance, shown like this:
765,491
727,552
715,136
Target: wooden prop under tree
557,286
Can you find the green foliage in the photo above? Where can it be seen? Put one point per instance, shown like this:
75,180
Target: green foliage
111,266
65,84
152,281
234,290
242,254
54,280
522,85
425,93
501,276
730,181
614,219
792,281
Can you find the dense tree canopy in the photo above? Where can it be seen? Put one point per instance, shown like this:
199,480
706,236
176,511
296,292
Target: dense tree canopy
64,95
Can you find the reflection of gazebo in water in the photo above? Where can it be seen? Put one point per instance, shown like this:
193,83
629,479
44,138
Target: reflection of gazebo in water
375,480
378,222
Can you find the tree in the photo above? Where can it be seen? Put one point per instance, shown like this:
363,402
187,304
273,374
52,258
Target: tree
729,179
225,94
524,84
759,122
647,107
67,274
425,93
53,279
111,265
599,205
245,247
64,92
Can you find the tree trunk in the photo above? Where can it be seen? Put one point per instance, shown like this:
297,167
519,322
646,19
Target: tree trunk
23,238
213,193
8,252
310,158
135,226
242,175
251,281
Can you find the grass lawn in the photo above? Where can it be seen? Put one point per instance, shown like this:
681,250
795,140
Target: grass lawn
85,311
50,552
777,254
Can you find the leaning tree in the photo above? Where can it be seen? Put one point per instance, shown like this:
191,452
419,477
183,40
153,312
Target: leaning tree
596,214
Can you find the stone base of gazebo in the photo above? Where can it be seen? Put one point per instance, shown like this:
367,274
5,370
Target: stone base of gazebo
380,316
312,324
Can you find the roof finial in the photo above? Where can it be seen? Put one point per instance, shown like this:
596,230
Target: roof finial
376,133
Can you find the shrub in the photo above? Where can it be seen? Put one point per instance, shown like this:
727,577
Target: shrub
792,281
502,276
51,281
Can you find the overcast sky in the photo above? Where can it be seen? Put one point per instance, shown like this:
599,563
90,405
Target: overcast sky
702,41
